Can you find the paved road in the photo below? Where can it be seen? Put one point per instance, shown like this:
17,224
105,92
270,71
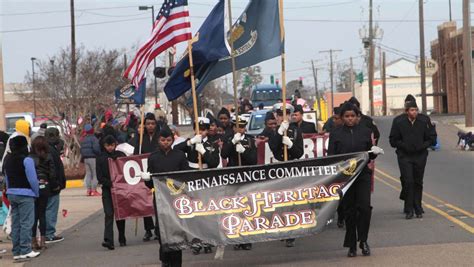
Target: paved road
445,236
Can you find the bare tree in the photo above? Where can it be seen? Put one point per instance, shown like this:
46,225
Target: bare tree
98,74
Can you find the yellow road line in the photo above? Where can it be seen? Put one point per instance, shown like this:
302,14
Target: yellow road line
465,212
74,183
463,225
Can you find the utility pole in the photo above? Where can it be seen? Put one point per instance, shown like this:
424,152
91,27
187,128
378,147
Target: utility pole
450,17
2,92
384,85
33,85
422,58
467,54
352,78
371,60
331,51
73,56
315,76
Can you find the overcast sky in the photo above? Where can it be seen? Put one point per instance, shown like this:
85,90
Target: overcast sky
311,26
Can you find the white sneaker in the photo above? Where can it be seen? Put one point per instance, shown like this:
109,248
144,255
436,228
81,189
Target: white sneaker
32,254
15,258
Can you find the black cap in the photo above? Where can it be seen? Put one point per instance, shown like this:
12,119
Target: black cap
242,122
150,116
336,110
211,118
410,98
354,101
166,131
18,144
204,122
410,104
43,125
269,116
298,108
223,111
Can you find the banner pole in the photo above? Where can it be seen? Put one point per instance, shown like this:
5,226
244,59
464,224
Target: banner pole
193,90
283,73
142,123
234,75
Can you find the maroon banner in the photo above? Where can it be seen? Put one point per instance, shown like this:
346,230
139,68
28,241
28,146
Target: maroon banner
130,196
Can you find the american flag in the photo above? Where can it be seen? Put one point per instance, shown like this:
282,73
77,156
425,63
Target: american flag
171,27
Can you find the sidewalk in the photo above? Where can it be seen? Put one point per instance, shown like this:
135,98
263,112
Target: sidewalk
74,209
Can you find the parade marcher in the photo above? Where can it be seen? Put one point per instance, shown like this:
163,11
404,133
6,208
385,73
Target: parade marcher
166,159
366,120
240,146
412,136
177,136
333,122
432,133
354,137
270,126
55,185
224,118
305,127
293,141
201,144
149,145
45,171
22,190
213,134
103,175
90,149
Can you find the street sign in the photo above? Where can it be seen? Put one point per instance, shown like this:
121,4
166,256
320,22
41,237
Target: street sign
431,67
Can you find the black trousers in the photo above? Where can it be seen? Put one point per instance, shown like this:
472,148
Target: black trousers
109,219
357,210
40,214
412,170
148,221
172,258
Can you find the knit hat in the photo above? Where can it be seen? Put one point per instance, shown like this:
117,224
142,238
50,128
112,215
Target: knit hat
410,98
223,111
354,101
410,104
269,116
19,144
88,129
22,127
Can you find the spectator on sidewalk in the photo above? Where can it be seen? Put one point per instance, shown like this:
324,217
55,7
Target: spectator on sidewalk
103,174
90,149
55,185
45,172
40,132
22,189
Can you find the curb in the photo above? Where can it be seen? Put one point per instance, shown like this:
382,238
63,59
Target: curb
75,183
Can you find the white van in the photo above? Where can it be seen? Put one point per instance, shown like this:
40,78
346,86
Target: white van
11,118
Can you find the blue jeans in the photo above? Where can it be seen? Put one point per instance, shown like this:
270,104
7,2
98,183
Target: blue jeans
23,217
52,215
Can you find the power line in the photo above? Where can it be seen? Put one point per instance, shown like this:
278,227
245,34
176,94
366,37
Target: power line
61,11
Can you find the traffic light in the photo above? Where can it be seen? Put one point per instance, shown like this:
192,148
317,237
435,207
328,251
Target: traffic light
247,81
301,82
272,79
360,77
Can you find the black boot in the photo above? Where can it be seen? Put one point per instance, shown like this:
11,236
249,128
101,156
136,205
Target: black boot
352,252
340,222
409,215
247,246
207,249
237,247
365,248
148,235
108,245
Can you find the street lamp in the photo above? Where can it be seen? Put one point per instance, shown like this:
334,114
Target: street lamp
154,60
33,85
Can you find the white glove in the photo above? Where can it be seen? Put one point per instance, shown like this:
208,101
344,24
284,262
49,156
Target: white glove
197,139
287,141
377,150
237,137
240,148
283,127
200,148
146,176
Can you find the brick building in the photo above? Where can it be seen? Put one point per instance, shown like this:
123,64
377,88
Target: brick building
449,88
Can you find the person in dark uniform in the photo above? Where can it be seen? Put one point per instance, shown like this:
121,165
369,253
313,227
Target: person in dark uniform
240,146
412,136
305,127
354,137
270,126
103,175
149,145
366,120
293,140
333,122
213,134
432,133
224,119
166,159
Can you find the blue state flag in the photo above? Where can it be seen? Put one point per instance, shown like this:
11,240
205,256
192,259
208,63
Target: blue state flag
209,45
257,37
129,94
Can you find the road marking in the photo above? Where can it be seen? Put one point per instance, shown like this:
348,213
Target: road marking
465,212
463,225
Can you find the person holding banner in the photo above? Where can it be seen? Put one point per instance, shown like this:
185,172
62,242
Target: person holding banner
240,150
201,144
166,159
354,137
293,140
149,145
103,175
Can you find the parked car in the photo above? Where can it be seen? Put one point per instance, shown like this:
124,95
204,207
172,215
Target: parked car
256,122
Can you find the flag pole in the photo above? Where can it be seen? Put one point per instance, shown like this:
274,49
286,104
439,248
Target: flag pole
283,73
193,91
234,75
142,123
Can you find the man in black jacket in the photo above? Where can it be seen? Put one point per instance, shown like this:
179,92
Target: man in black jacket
166,159
103,175
55,185
411,137
305,127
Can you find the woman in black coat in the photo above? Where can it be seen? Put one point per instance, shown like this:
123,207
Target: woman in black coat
349,138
